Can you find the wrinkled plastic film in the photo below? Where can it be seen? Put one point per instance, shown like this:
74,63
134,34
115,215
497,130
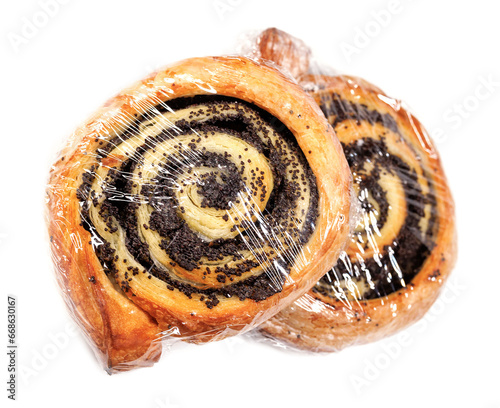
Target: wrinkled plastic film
194,206
402,246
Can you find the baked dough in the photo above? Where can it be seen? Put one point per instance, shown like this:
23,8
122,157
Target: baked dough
403,248
195,205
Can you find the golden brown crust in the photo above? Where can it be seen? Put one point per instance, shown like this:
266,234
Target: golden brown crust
125,327
121,332
321,323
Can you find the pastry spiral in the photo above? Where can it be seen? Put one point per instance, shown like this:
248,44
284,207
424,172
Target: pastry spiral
403,248
195,205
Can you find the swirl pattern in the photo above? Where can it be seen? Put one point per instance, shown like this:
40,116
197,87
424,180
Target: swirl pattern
206,195
397,229
194,205
403,247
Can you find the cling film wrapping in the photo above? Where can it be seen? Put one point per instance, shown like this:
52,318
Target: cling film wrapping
194,206
402,246
256,193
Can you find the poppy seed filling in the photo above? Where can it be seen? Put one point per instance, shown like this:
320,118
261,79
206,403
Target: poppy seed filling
394,265
209,194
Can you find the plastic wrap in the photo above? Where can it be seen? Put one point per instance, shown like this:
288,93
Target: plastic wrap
194,206
403,247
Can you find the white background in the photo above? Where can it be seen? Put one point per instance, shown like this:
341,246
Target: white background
434,55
